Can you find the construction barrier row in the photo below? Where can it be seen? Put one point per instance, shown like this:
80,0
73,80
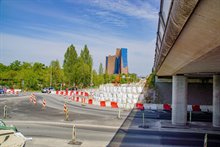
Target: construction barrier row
71,93
167,107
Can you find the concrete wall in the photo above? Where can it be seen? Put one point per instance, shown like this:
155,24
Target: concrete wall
198,93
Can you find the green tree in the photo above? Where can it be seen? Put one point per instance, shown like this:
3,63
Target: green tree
100,69
69,65
83,73
26,65
86,57
106,78
16,65
56,73
3,68
98,79
87,61
151,80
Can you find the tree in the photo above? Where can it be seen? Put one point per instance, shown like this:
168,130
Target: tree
26,65
87,60
100,69
98,79
83,73
151,80
86,57
69,65
56,73
3,68
16,65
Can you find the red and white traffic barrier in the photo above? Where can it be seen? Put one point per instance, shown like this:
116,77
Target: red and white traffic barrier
114,104
90,101
44,104
196,108
102,104
167,107
35,101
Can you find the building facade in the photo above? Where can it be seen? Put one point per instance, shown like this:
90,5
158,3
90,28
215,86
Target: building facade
118,63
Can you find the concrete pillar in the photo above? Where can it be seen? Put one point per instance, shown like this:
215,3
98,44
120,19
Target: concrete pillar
216,101
179,100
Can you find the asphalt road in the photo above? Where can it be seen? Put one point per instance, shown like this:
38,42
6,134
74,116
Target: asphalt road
95,126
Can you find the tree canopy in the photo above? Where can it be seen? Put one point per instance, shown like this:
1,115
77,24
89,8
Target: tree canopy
77,71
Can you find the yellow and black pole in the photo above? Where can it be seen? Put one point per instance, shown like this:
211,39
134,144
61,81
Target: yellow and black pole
43,104
66,111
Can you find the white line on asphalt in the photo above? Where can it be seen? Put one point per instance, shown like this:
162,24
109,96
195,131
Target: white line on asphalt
62,124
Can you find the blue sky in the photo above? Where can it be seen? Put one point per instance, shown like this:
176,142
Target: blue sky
41,30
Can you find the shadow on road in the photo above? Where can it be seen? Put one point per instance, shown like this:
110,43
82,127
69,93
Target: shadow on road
131,134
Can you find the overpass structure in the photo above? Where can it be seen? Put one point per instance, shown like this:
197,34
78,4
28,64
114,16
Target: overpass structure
188,45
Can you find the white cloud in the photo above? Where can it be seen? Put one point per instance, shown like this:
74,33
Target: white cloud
141,9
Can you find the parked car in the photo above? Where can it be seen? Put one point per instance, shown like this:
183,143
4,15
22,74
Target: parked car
2,91
47,90
73,88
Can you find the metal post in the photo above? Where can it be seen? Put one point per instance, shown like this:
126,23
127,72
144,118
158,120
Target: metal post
74,134
119,113
206,140
190,116
5,111
143,118
74,141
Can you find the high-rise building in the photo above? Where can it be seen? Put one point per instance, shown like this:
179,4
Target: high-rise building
118,63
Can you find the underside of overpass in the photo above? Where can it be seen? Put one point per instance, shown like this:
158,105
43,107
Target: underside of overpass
188,45
191,41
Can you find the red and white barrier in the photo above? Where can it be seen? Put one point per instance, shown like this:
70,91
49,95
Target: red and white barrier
65,108
167,107
90,101
114,104
102,104
140,106
196,108
43,104
35,101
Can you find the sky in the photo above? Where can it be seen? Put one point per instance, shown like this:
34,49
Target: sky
42,30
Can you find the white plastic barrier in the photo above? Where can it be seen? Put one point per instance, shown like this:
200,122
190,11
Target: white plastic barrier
129,101
134,90
135,101
130,96
107,89
141,97
114,89
139,89
129,90
124,89
206,108
120,89
151,106
136,96
103,88
105,94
